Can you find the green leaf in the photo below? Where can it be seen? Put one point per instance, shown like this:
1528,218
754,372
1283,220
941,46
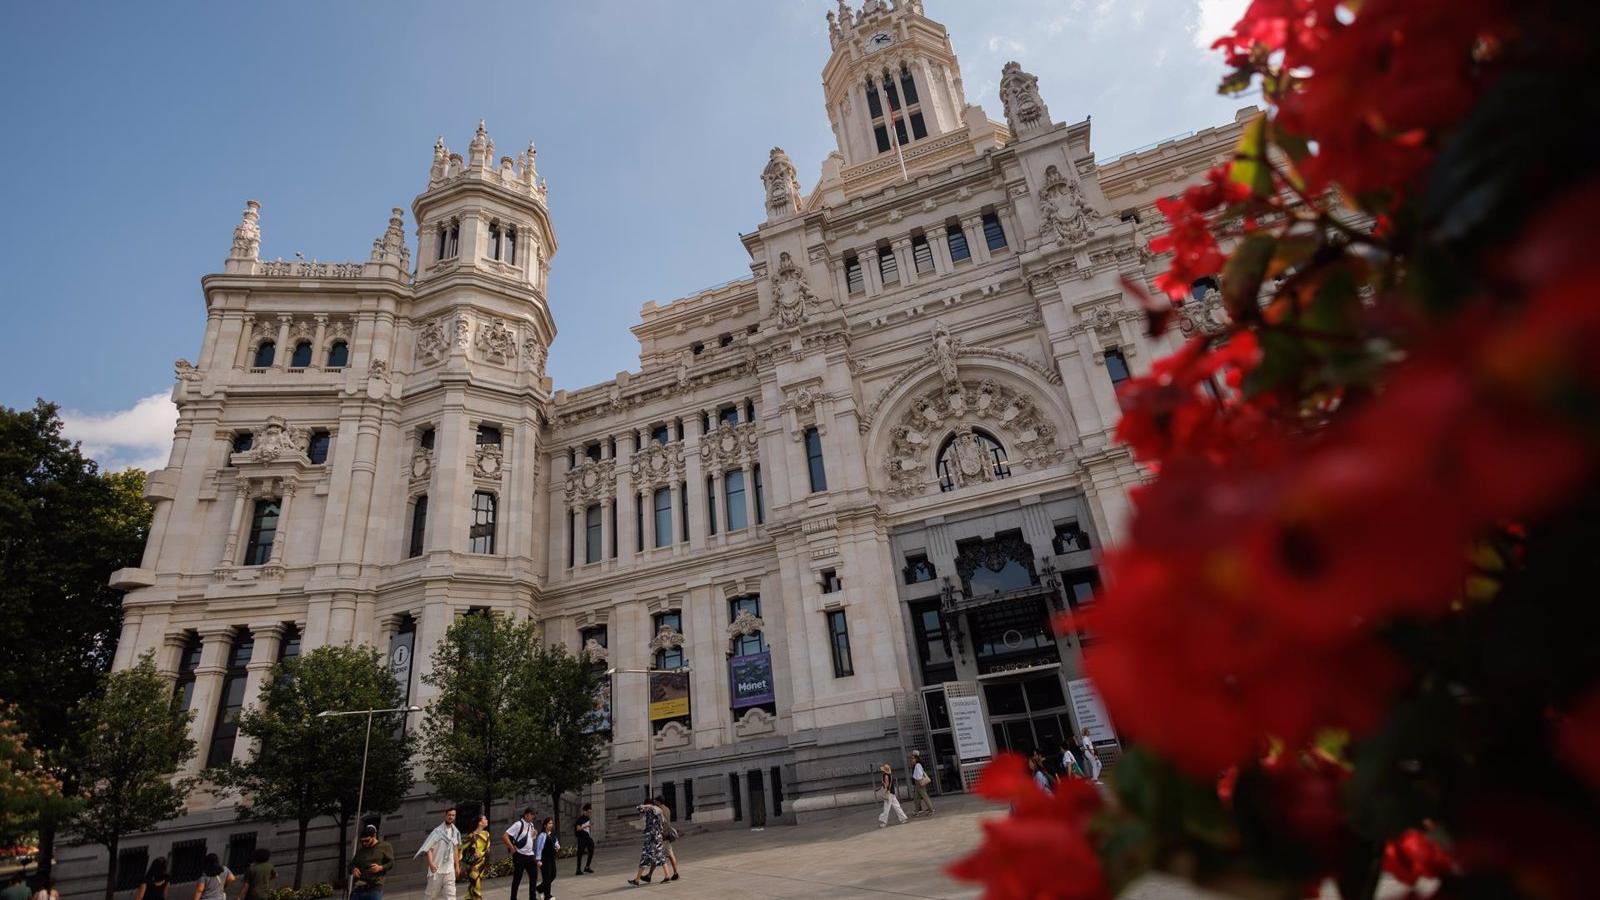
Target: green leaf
1250,166
1241,276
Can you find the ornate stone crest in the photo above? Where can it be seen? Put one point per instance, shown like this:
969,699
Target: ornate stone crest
666,639
1019,94
744,624
432,345
488,461
276,439
729,446
657,465
378,368
1064,212
421,463
783,188
497,342
535,353
592,481
463,332
790,294
1206,315
596,650
1027,438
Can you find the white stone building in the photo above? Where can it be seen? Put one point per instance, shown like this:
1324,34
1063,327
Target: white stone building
883,457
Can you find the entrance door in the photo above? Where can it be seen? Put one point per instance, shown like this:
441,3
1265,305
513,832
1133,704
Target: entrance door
758,799
1028,712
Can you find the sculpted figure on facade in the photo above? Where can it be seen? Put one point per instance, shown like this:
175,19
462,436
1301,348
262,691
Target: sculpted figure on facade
1206,316
186,371
1024,435
945,350
497,342
247,234
791,297
972,465
535,354
463,332
1019,94
432,345
1064,212
783,187
666,639
276,440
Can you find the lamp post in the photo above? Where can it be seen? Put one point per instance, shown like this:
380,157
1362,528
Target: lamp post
649,739
361,789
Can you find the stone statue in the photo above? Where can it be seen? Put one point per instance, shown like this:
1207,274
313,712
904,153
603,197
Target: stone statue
971,467
790,294
945,350
186,370
277,439
1019,94
1064,212
247,234
783,188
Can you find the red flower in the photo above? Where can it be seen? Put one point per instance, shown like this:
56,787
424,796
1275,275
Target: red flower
1413,855
1042,849
1194,249
1179,405
1578,739
1293,27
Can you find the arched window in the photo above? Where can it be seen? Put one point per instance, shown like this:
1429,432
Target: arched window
968,457
301,356
450,239
266,352
338,355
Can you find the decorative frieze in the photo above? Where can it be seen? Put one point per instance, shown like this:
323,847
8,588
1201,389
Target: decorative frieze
1028,438
657,465
497,342
730,446
591,482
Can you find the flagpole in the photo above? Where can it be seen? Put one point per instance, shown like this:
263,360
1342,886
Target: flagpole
894,135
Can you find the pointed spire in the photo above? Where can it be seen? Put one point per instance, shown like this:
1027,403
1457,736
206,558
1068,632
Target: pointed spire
530,165
481,149
247,234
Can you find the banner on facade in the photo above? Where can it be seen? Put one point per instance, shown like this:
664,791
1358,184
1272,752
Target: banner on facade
602,706
751,677
1089,712
970,730
669,695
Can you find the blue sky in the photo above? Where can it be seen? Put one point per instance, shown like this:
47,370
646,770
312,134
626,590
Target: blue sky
135,132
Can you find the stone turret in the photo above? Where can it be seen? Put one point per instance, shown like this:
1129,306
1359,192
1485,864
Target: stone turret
246,240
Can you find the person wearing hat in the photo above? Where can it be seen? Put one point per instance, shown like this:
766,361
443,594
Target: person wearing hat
919,785
519,838
373,860
890,801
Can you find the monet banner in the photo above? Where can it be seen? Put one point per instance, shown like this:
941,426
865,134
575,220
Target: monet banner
751,677
669,695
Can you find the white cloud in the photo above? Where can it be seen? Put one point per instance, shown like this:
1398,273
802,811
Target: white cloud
139,437
999,44
1217,17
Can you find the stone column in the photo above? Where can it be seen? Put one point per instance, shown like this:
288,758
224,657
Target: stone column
431,626
214,644
127,642
677,515
171,652
870,271
630,692
319,355
608,514
241,356
972,226
939,241
263,654
363,473
230,546
627,506
280,357
749,495
1008,227
696,480
718,502
903,259
281,538
649,500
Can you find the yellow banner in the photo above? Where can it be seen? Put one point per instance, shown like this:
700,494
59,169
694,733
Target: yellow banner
669,695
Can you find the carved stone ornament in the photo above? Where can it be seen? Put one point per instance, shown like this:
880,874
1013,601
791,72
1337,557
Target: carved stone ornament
672,736
186,370
1064,213
463,332
783,188
1029,440
276,439
1206,316
432,345
596,650
970,458
791,297
421,463
247,234
745,624
801,401
729,446
754,723
591,482
378,368
497,342
535,354
1105,320
657,465
666,639
488,461
339,330
1019,94
945,350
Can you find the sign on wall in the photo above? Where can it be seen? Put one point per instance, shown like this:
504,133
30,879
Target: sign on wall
669,695
751,679
602,706
970,730
1089,712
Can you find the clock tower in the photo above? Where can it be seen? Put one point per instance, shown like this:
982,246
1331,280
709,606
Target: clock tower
892,83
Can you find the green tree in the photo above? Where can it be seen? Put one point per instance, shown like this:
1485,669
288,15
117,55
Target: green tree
303,766
480,735
27,787
571,746
64,528
135,737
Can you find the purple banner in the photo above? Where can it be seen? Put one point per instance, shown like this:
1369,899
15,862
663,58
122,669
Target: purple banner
751,677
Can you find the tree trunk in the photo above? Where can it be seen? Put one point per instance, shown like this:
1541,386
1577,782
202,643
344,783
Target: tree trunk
488,804
111,869
555,809
344,850
300,852
47,845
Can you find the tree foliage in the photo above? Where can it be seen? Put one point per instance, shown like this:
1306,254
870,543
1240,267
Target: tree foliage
27,786
571,748
135,738
302,767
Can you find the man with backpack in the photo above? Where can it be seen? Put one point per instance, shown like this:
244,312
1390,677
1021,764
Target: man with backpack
519,839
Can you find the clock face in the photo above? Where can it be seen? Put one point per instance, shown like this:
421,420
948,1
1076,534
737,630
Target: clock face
879,41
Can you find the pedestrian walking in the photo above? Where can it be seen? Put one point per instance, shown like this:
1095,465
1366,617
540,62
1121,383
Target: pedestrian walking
475,857
17,887
886,793
919,784
669,831
654,851
45,888
519,838
213,883
545,848
260,878
443,847
1091,758
583,828
372,862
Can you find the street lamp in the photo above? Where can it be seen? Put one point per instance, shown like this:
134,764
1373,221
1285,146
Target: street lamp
361,790
649,739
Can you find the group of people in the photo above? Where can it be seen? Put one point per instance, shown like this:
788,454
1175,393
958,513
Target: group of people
1078,759
659,836
885,791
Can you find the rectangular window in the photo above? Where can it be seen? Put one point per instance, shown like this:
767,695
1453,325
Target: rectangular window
663,509
683,511
1116,367
592,526
596,633
669,657
933,646
711,505
761,506
852,275
819,475
839,642
488,434
289,644
733,493
230,701
480,537
185,859
572,538
419,525
993,234
921,254
131,865
638,523
240,847
188,662
317,450
958,242
755,641
919,129
881,134
661,434
888,266
612,526
263,531
908,87
728,415
830,581
733,793
593,451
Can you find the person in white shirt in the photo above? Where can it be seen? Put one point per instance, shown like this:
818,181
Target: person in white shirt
519,840
1091,759
443,847
919,784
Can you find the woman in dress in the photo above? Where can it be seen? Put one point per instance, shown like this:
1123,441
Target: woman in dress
475,848
154,886
214,880
654,852
670,832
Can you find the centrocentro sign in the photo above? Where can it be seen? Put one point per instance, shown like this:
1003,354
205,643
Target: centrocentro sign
751,677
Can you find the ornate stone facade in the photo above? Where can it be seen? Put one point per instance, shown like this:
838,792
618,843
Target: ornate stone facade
914,361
